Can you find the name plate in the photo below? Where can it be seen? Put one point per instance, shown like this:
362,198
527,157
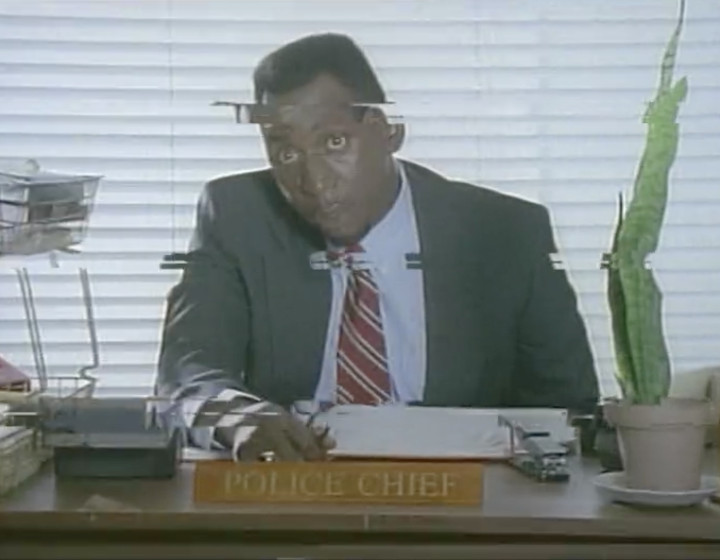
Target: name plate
408,483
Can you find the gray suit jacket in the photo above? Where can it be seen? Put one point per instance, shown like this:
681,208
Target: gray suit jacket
502,324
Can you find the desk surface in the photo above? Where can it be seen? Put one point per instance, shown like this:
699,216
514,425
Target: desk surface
513,505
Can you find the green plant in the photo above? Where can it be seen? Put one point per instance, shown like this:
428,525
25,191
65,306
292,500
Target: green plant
635,300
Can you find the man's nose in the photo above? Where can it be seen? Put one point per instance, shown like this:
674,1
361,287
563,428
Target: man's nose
318,175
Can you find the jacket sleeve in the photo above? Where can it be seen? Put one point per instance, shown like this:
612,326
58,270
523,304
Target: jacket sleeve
555,366
206,328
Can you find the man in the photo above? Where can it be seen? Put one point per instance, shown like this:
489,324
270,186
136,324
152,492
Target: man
344,274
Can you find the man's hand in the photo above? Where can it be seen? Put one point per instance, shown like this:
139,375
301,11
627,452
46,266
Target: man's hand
266,427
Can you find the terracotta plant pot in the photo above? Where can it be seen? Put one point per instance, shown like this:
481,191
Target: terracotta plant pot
662,446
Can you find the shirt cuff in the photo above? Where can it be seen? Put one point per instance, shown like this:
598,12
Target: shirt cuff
203,416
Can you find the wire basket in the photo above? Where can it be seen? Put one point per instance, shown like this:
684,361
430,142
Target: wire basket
57,387
42,212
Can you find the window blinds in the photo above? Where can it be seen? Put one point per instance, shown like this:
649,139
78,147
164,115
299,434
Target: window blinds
538,98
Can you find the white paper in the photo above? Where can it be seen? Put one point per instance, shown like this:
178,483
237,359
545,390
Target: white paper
409,432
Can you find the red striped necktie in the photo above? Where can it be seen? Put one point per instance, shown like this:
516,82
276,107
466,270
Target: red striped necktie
362,368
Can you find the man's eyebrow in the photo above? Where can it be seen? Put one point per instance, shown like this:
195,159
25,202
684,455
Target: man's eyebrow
274,129
280,130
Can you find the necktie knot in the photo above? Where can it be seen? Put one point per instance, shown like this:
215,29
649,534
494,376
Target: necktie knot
345,256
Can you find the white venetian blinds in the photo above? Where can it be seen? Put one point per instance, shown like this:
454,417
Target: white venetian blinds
540,98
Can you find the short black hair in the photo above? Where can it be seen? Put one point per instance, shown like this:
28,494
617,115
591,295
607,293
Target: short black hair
298,63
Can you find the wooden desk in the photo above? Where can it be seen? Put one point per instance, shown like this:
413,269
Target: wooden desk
520,518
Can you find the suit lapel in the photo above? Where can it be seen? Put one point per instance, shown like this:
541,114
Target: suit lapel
298,303
454,350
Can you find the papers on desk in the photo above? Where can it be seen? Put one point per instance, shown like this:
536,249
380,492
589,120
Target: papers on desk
424,433
427,433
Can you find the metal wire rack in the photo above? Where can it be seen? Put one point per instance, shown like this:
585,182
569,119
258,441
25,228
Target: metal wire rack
82,384
42,213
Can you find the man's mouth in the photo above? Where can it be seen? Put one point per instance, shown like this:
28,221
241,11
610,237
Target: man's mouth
329,209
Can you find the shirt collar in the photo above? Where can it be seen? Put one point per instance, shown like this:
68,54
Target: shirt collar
390,234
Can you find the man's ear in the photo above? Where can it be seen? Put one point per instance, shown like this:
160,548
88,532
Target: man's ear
396,137
395,133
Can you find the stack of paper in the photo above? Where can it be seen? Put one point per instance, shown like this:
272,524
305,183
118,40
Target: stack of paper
20,456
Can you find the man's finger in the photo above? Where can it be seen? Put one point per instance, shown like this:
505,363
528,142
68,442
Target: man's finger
281,444
327,441
267,437
304,439
323,436
320,430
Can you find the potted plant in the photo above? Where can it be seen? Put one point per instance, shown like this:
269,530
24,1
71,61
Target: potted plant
661,439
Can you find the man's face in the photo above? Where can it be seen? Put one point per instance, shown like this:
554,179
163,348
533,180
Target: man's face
336,170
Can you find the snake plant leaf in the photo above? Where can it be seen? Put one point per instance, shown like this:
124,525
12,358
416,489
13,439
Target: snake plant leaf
636,302
625,370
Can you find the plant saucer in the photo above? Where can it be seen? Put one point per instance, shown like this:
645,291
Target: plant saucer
612,485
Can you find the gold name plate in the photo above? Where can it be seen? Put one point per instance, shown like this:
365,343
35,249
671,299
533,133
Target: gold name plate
408,483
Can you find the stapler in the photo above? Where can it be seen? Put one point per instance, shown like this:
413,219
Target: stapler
535,452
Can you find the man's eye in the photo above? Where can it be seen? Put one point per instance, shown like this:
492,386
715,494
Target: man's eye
287,156
336,142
